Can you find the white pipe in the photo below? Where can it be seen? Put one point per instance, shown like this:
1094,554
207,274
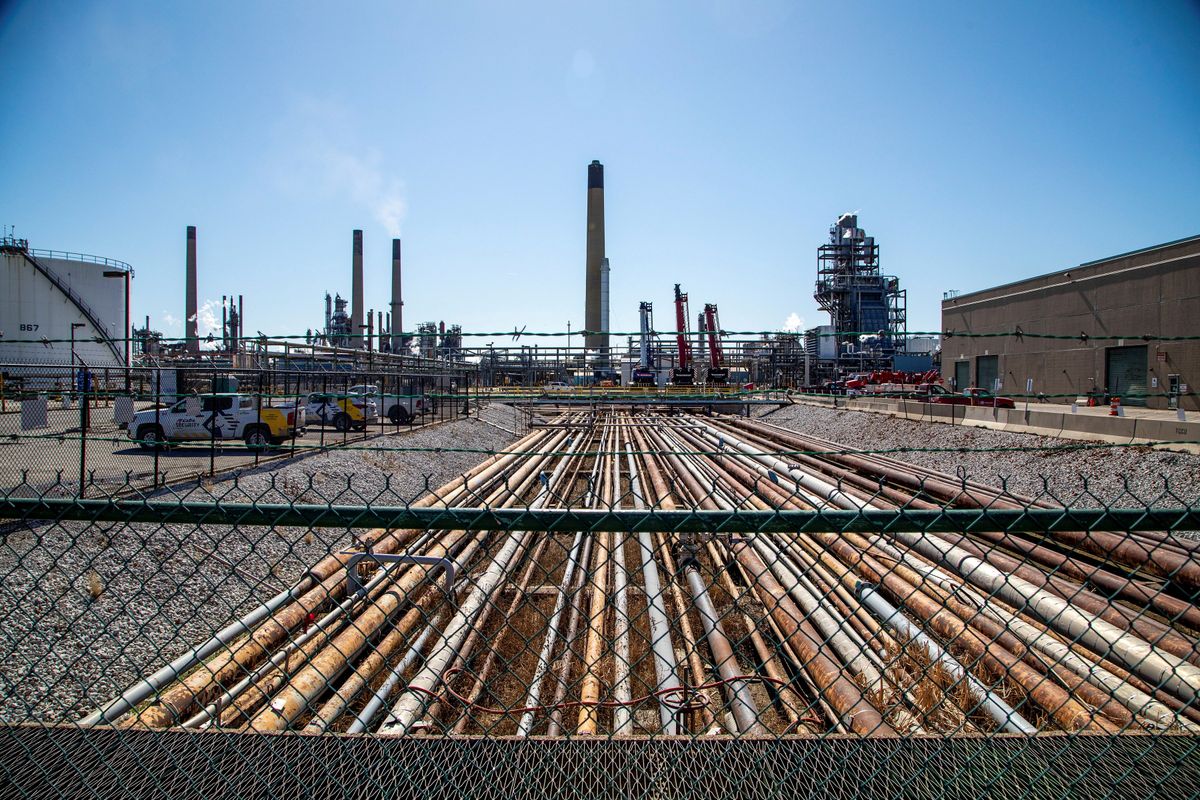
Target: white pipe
1004,714
408,710
1137,655
622,693
665,666
137,693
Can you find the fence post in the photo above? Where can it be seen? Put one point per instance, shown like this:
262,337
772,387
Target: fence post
157,417
258,396
296,429
212,426
81,378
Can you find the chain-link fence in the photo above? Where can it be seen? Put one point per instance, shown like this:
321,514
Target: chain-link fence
615,604
94,430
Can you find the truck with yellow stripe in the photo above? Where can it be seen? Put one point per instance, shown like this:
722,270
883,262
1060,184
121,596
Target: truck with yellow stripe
343,411
221,417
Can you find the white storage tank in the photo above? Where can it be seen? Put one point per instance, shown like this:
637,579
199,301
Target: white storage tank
45,294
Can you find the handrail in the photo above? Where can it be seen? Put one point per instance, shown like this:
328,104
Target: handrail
69,256
13,244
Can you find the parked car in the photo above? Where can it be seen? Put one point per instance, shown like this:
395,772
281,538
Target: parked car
936,393
400,409
982,397
220,416
343,411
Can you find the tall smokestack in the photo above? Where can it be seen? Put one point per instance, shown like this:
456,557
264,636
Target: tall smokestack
190,321
396,324
356,292
595,255
604,305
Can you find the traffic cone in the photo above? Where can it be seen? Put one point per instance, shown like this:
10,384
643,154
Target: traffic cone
1114,407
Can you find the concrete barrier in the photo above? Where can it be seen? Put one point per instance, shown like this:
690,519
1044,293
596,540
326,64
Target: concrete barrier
1160,433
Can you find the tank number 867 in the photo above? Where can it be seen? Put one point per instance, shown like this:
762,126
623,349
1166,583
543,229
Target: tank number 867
29,326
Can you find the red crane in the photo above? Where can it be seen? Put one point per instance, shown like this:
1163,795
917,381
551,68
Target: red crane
684,374
717,373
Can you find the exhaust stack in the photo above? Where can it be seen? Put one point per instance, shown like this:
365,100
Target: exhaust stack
396,324
190,315
592,321
356,292
604,309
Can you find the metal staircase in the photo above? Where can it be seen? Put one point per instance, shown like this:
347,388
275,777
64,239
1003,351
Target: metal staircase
80,303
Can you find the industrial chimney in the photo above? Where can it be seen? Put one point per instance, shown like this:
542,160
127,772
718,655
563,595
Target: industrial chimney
396,325
592,320
356,294
604,307
190,315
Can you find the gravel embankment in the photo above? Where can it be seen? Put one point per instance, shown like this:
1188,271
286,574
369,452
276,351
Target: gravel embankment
1123,476
85,609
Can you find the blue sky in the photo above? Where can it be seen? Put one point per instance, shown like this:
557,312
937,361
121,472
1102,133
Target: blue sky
980,143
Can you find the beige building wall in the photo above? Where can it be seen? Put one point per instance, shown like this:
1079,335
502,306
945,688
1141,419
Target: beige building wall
1153,292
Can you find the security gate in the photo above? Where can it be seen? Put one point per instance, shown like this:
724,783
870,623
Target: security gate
1125,374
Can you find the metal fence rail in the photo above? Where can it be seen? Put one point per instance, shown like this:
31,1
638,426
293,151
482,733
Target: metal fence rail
618,604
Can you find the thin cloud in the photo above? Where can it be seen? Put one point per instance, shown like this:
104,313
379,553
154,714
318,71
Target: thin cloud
322,151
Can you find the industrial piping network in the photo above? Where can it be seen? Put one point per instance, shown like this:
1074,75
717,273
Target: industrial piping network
519,633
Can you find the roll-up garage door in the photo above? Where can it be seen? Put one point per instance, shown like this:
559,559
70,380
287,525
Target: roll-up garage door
987,369
1125,368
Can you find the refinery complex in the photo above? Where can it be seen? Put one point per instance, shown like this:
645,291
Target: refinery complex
55,297
54,294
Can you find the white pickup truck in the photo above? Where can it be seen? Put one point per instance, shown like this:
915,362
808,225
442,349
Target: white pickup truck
400,409
344,412
217,417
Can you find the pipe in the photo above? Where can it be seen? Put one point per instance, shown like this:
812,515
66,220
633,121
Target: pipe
417,697
363,719
1155,665
622,692
142,690
665,666
741,702
1004,714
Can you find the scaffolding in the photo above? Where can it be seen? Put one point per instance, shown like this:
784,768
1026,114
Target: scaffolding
868,310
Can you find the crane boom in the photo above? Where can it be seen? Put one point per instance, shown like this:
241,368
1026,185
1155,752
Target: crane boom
645,374
717,373
683,372
712,327
681,328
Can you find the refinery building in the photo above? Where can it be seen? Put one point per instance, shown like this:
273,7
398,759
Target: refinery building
1124,326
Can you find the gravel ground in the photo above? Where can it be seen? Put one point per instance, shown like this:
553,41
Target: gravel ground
85,609
1127,476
